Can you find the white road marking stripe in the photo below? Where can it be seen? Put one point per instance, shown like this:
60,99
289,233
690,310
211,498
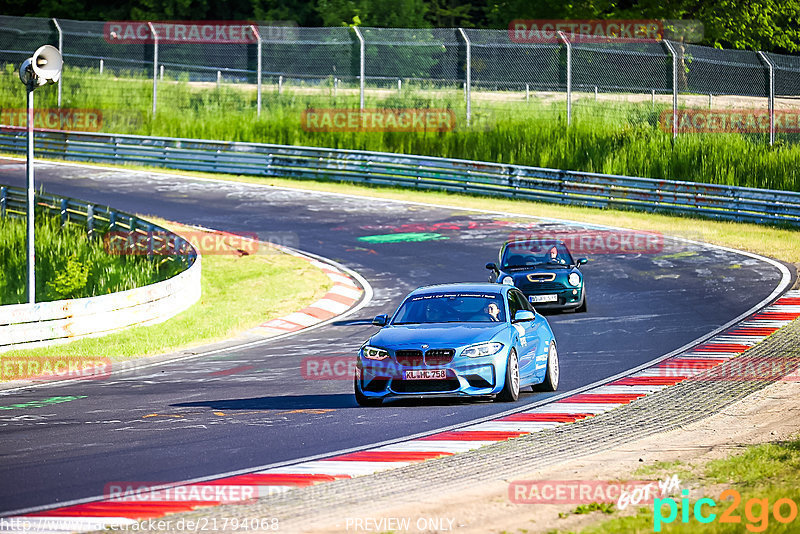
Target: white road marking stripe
419,445
348,292
761,323
512,426
303,319
668,372
709,355
784,308
575,407
341,279
336,467
739,339
626,389
330,305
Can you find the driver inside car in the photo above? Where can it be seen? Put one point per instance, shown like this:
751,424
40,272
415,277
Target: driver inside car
555,258
493,310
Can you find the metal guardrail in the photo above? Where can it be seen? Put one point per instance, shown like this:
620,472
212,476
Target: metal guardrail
29,325
422,172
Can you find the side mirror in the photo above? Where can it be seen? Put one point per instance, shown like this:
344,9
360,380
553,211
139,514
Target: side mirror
491,266
524,315
583,261
380,320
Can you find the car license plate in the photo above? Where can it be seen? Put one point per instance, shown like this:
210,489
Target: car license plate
543,298
426,374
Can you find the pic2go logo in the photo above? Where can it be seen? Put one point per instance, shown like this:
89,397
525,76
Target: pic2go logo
756,511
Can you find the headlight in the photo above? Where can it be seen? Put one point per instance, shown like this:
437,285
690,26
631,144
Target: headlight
482,349
574,279
508,280
374,353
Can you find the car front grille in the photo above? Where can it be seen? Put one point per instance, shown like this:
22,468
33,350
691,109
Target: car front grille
541,277
439,356
425,386
409,358
540,287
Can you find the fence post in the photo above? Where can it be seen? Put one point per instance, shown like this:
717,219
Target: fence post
771,96
258,71
90,221
64,213
155,65
60,49
671,50
101,65
569,75
468,80
3,200
362,51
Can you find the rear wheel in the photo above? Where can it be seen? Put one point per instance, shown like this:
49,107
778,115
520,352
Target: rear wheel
551,374
510,391
362,399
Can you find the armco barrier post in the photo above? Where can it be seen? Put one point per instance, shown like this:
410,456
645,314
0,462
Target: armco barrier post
362,64
60,49
671,50
468,80
64,213
569,75
90,221
155,65
771,95
258,71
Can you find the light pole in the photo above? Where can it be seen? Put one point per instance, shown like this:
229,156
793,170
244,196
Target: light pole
42,68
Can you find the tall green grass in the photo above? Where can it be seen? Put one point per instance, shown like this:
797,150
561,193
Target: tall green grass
616,138
68,264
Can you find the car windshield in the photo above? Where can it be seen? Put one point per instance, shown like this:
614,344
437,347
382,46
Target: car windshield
535,253
453,307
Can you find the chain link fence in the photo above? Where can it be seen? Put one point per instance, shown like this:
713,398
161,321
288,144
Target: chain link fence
568,79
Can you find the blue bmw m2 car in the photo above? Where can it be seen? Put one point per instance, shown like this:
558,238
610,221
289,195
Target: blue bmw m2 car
470,339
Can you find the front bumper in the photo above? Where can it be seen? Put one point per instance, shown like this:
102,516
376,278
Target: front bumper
470,378
568,299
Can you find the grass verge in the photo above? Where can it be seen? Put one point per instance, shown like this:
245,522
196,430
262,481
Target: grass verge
69,265
746,486
238,293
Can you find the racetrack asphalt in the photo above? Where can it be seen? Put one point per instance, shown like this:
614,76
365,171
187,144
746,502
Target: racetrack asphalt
196,418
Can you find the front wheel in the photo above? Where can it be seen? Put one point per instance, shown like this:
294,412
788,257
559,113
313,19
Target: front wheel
551,374
510,391
362,399
582,307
